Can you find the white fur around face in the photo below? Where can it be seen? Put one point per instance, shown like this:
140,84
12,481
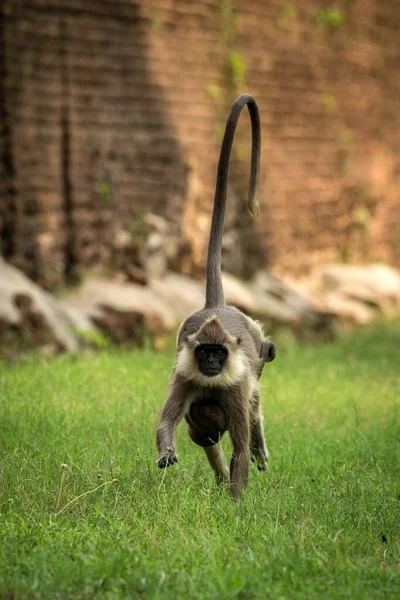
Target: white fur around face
234,369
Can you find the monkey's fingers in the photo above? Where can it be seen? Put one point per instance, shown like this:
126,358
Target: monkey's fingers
162,462
166,460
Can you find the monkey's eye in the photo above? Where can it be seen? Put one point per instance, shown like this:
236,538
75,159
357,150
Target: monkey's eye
201,353
221,353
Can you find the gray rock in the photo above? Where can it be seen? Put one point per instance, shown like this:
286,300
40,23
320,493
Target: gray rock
284,303
182,294
266,298
32,315
126,313
375,286
95,294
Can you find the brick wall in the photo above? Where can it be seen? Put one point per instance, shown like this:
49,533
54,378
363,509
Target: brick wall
110,108
92,145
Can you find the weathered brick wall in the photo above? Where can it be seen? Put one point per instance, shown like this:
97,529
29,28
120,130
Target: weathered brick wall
92,145
115,107
328,85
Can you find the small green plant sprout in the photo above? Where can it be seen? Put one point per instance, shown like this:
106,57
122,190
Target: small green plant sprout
330,18
235,69
344,139
328,101
228,17
219,129
157,20
213,92
361,216
287,15
344,136
240,150
105,192
95,339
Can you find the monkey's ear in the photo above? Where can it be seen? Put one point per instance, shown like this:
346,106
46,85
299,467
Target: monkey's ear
239,340
267,351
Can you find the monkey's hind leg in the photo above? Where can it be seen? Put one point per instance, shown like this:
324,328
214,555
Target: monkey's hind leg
216,458
259,449
240,462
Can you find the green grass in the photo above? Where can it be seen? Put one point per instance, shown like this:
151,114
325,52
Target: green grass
323,522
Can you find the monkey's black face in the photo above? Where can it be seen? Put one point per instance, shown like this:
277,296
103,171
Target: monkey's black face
210,358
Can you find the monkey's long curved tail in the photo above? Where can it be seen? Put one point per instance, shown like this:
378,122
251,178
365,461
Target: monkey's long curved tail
214,289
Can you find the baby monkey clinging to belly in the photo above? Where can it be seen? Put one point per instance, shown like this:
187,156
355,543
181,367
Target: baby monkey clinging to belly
220,351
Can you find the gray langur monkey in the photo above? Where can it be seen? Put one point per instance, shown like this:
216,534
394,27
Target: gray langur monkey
220,351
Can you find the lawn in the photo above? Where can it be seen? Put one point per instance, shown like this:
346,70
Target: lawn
84,512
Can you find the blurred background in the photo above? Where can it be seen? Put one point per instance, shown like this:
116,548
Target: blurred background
111,118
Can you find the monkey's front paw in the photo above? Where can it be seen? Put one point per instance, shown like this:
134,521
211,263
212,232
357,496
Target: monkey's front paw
170,458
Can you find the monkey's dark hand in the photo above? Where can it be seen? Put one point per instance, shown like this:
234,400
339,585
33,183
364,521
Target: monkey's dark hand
170,458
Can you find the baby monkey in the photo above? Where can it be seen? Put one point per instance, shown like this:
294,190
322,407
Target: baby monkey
220,351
